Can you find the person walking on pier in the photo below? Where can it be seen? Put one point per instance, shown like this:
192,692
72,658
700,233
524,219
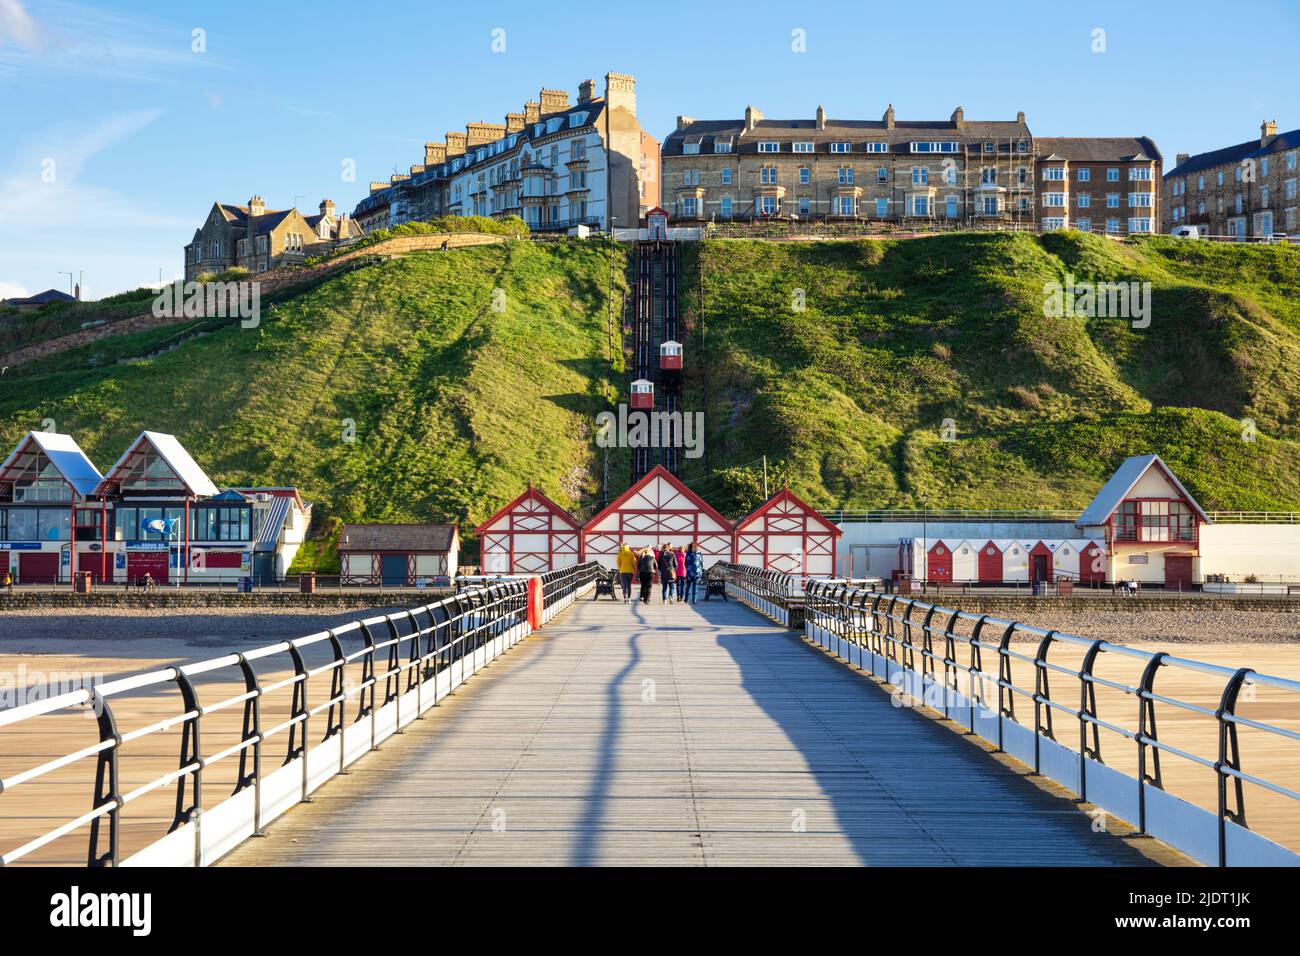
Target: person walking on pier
626,570
680,554
667,572
645,569
694,569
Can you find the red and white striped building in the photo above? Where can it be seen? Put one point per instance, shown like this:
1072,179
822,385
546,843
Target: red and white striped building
530,535
658,509
785,534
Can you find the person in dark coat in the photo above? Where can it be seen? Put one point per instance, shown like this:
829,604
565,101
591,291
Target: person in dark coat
667,572
645,572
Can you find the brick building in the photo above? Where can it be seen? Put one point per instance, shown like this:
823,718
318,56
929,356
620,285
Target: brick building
1246,191
255,238
554,164
1098,184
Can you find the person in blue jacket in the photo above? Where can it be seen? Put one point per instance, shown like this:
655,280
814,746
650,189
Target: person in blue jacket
694,571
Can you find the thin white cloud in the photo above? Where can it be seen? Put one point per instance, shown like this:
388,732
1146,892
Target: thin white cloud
17,28
71,40
64,221
13,290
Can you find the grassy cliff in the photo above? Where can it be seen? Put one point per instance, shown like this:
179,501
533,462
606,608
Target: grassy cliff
842,361
424,388
433,387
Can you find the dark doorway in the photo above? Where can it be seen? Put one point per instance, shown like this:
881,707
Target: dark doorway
393,569
1040,570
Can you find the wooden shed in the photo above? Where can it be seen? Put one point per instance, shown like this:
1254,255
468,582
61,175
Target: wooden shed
399,555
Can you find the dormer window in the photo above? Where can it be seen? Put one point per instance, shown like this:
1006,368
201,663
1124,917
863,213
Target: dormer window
769,147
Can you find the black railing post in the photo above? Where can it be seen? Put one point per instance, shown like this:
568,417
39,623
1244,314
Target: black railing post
1006,698
190,753
1088,716
1147,731
1229,759
251,731
107,789
338,697
1042,695
975,671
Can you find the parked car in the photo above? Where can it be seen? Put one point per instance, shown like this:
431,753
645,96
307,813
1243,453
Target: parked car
1186,232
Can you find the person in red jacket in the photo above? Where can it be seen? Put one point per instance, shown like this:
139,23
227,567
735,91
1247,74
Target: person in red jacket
680,555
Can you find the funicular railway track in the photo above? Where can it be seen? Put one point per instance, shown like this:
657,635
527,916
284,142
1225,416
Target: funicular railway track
655,383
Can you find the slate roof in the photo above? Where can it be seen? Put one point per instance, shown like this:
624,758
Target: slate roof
422,538
1098,149
1235,154
41,298
837,131
1128,474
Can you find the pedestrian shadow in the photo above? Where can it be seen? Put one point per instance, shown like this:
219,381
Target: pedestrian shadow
896,785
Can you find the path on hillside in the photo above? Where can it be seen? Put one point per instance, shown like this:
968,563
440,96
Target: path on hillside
678,735
273,281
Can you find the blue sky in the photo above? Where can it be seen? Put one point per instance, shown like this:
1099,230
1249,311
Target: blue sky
116,136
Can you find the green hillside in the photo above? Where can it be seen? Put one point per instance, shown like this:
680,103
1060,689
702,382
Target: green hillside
848,396
459,396
455,403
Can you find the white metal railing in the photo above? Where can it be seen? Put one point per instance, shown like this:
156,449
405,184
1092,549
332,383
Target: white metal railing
842,515
412,657
915,647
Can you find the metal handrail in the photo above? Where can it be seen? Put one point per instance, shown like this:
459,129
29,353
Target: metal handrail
418,644
888,625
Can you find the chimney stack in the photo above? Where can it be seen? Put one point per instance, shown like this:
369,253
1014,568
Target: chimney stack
752,117
1267,132
455,144
532,111
821,118
514,122
684,121
1020,117
256,207
889,117
620,92
1181,158
554,101
327,207
435,153
586,91
959,118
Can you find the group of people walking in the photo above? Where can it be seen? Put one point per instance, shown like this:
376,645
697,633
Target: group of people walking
679,570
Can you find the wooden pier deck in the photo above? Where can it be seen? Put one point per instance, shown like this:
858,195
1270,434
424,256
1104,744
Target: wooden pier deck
680,735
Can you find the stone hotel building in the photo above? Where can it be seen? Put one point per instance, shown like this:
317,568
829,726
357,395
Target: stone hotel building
555,164
921,172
